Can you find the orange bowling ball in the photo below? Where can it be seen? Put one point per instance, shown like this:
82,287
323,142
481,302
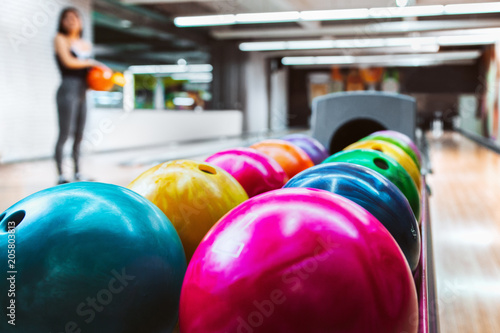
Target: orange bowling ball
194,196
100,79
291,158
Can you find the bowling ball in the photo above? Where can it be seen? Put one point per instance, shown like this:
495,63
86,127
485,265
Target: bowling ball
194,195
90,257
393,151
401,137
313,148
295,261
372,191
406,148
100,79
255,171
291,158
387,167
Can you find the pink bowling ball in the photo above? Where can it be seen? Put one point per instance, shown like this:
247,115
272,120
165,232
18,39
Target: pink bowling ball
256,172
400,136
298,260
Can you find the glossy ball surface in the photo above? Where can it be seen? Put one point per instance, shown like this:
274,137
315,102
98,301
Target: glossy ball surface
404,138
255,171
91,257
387,167
397,142
194,196
313,148
373,192
298,260
100,79
291,157
396,153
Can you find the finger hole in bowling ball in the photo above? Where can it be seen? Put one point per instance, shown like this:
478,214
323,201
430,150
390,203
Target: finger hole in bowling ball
381,163
207,169
16,218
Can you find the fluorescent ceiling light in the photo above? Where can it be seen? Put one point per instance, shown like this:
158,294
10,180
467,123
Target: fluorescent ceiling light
208,20
340,14
268,17
415,43
168,69
340,60
392,12
467,40
472,8
395,60
310,44
263,46
410,41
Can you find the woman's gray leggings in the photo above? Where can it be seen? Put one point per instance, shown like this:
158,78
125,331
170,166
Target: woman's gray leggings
72,111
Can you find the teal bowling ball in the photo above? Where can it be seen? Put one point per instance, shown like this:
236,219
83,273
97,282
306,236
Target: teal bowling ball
89,257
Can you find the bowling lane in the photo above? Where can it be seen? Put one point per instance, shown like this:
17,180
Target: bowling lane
465,212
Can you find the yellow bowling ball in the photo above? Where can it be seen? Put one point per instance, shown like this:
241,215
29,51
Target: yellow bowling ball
194,196
393,151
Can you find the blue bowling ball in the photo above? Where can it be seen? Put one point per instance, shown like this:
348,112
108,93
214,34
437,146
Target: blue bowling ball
373,192
89,257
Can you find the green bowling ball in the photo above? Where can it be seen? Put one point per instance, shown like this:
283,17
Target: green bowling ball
401,144
387,167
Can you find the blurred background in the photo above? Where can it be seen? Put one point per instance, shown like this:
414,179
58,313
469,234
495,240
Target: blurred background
224,74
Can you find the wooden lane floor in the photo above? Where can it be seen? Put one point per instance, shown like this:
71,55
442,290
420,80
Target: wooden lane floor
465,217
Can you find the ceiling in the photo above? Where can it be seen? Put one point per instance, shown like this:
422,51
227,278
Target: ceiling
142,31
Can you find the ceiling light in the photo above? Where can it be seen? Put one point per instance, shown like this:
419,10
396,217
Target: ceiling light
263,46
415,43
394,12
467,40
472,8
209,20
268,17
310,44
401,60
340,14
291,61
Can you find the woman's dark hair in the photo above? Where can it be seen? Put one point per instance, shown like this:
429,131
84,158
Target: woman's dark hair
65,12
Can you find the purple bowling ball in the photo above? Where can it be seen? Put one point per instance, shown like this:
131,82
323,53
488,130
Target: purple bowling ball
311,146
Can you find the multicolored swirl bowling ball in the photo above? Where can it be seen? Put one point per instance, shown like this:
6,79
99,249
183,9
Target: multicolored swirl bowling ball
194,196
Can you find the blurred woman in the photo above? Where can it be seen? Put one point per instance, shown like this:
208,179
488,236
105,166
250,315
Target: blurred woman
73,59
